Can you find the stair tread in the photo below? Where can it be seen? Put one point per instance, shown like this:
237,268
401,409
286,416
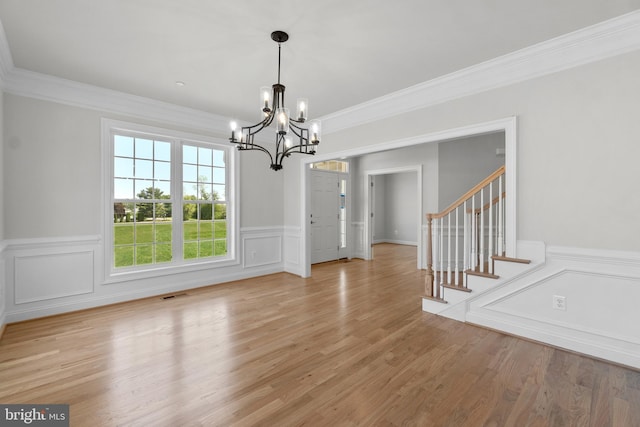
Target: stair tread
456,287
510,259
481,274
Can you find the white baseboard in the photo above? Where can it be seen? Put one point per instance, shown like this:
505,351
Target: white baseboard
396,242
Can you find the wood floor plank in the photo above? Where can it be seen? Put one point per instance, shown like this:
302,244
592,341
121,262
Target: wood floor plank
348,346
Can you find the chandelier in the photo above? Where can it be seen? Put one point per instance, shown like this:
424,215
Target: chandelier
290,136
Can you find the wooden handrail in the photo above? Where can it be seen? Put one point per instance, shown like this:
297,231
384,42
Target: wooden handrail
468,194
486,205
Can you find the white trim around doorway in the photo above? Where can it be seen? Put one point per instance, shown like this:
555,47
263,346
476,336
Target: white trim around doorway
507,125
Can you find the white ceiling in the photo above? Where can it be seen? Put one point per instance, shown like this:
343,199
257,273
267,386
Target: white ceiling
340,53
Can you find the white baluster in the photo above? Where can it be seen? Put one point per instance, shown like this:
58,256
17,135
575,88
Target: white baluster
490,254
456,278
435,244
500,218
449,248
481,257
474,234
441,250
465,254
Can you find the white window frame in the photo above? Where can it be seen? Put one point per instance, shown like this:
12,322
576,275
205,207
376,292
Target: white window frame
177,139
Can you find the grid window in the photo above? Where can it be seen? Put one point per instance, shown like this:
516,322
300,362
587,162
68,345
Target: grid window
142,205
169,200
204,205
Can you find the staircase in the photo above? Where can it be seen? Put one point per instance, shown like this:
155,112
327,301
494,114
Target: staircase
466,249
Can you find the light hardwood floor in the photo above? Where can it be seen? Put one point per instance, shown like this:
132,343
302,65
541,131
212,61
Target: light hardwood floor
349,346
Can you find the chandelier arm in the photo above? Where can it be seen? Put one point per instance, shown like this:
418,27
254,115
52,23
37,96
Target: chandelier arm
290,150
256,147
263,124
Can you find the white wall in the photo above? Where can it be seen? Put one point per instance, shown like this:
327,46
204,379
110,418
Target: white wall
577,149
3,282
53,223
424,155
399,223
462,163
379,208
54,154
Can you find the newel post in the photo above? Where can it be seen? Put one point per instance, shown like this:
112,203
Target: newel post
428,280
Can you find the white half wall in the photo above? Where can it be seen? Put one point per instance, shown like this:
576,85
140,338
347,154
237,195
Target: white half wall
601,290
57,275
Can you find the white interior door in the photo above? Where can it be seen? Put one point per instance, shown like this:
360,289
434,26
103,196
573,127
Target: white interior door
324,216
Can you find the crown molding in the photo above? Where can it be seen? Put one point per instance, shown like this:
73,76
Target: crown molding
49,88
600,41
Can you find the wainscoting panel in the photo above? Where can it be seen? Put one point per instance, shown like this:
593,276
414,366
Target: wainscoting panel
47,276
292,251
56,275
357,239
261,249
600,317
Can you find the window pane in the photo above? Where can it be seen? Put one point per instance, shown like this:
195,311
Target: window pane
143,168
219,211
163,151
162,170
122,188
190,250
123,146
206,248
206,230
123,233
219,192
218,158
190,173
219,176
206,211
123,256
204,174
204,192
189,154
144,148
163,232
220,247
205,156
162,211
190,191
163,189
144,233
163,253
190,230
122,167
189,212
220,229
144,189
144,254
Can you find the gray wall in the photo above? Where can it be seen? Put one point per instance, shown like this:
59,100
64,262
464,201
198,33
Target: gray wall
401,222
449,169
462,163
395,207
52,169
577,150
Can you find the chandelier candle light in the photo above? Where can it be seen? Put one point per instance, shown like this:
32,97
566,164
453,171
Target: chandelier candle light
290,137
